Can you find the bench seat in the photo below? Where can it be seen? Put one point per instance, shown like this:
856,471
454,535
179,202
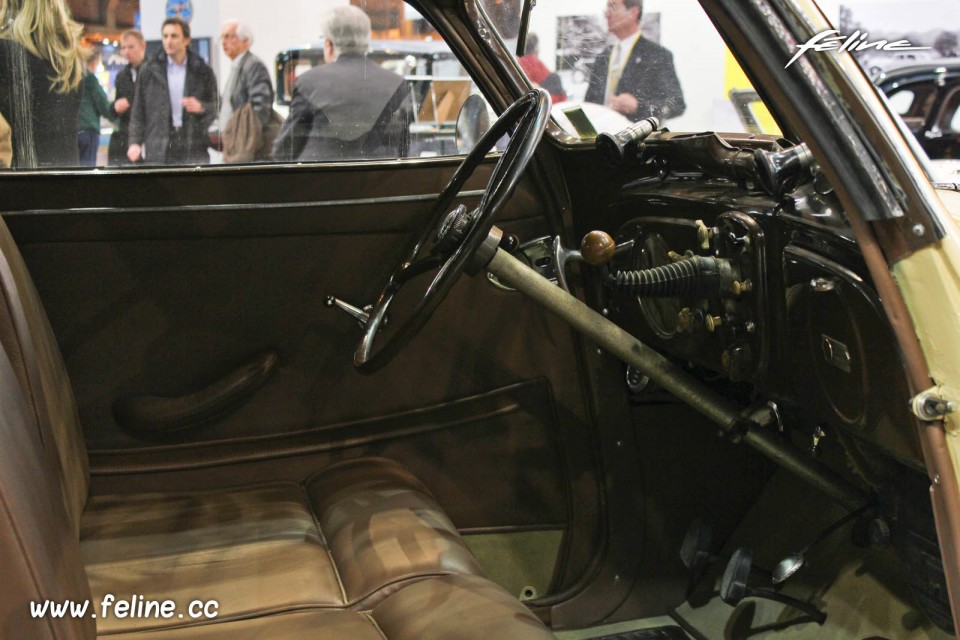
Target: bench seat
345,538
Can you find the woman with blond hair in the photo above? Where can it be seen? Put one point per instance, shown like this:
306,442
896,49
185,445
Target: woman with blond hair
40,74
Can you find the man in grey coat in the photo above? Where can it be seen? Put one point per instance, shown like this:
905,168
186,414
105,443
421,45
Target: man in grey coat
349,108
248,81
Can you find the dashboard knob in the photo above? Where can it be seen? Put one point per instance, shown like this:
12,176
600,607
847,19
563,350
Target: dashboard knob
686,320
704,234
712,322
740,288
597,248
675,257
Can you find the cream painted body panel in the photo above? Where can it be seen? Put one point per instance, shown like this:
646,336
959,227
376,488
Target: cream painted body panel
930,283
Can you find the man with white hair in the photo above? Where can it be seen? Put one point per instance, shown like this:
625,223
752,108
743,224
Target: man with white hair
349,108
248,82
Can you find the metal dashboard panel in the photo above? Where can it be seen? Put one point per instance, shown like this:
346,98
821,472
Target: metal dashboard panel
845,371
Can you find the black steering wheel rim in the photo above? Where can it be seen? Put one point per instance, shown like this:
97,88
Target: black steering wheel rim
525,120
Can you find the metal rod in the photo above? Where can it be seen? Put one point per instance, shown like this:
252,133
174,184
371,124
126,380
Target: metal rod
524,26
681,384
615,340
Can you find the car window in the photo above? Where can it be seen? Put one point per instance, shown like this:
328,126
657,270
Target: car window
902,101
608,63
948,118
236,83
953,117
913,102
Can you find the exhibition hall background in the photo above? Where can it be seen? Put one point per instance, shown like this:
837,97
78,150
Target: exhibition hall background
706,70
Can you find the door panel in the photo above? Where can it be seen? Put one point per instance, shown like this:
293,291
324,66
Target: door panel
176,279
145,313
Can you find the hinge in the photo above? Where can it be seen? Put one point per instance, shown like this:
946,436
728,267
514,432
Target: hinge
930,406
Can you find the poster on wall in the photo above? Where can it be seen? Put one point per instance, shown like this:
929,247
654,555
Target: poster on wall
932,25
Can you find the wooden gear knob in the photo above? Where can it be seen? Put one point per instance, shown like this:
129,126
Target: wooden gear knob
597,248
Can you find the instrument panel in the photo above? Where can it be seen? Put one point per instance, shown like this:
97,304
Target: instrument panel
776,303
720,325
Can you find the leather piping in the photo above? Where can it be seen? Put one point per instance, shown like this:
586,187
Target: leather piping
247,206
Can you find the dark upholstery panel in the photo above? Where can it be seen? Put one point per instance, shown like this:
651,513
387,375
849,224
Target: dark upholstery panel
39,554
494,459
50,388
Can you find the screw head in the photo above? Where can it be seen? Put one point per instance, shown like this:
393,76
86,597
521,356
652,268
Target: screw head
918,230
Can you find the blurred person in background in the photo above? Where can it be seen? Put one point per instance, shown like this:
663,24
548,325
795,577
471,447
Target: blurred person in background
95,105
350,107
176,101
537,71
133,48
40,75
634,76
245,131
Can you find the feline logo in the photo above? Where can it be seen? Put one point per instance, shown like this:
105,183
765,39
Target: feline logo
831,40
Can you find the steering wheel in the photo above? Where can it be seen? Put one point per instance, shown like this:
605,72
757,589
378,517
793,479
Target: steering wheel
451,238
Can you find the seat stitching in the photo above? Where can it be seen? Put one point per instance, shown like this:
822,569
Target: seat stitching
326,545
412,577
237,617
376,625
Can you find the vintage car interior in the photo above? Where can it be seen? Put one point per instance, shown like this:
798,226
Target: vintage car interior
657,384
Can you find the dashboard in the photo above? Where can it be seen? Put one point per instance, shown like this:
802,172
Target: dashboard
780,305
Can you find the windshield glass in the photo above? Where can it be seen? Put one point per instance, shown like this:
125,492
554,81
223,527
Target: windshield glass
608,63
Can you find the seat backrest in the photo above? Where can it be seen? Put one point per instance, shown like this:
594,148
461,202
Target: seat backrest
38,364
39,547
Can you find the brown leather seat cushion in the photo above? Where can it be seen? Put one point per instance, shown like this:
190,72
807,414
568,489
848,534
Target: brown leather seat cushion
346,538
453,607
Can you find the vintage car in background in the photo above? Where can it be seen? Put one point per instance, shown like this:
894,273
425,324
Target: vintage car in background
927,97
650,384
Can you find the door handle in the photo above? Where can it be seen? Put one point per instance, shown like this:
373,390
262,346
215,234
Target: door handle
157,415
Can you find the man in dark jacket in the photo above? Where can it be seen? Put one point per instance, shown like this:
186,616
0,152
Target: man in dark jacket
350,107
248,82
133,47
634,76
176,101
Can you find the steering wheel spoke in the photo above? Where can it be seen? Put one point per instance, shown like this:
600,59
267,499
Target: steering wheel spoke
458,232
